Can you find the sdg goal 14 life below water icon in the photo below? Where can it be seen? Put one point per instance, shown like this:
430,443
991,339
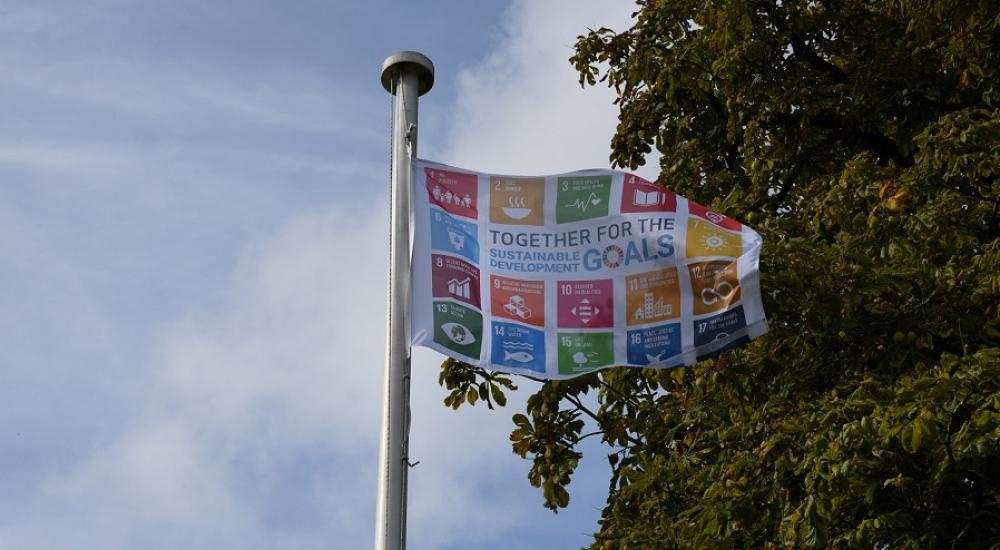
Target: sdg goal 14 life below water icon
518,347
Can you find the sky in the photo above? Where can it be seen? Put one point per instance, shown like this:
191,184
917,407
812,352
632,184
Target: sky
193,257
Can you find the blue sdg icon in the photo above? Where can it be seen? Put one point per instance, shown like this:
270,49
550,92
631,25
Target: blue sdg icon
455,236
654,345
518,347
716,332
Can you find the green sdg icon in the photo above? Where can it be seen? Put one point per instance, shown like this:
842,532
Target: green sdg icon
582,198
585,351
458,328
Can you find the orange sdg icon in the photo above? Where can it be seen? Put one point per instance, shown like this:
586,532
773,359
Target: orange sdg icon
652,297
517,201
715,285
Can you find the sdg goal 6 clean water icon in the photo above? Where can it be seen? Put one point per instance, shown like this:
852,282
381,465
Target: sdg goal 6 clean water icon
449,234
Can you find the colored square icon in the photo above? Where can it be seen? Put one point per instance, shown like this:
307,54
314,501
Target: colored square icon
455,278
652,297
714,286
454,192
707,239
582,198
585,304
639,195
585,351
518,300
517,201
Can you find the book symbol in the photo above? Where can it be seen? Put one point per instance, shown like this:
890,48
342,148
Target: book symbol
647,198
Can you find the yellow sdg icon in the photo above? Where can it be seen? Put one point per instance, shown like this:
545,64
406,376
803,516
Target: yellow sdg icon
707,239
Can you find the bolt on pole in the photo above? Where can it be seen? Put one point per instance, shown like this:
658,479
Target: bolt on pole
406,75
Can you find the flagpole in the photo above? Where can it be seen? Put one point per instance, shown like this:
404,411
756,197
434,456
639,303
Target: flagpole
406,75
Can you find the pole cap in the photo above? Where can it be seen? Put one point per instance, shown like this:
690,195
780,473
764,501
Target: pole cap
412,62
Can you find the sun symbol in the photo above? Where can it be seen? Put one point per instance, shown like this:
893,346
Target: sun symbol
714,241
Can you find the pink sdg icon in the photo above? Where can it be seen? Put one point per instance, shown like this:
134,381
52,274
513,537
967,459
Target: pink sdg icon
585,304
585,311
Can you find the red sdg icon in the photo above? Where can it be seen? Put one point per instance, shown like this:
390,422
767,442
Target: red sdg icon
639,195
455,192
718,219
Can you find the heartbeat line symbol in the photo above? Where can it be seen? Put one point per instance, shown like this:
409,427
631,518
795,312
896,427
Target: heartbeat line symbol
584,204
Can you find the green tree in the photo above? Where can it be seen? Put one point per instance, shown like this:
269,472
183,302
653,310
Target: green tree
862,140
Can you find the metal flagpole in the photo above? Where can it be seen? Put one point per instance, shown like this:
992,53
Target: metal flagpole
406,75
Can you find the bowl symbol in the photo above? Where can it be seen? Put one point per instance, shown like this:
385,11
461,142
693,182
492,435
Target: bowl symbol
516,208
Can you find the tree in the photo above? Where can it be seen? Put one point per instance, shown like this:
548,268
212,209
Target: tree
862,140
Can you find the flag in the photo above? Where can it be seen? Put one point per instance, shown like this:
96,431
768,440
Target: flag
557,276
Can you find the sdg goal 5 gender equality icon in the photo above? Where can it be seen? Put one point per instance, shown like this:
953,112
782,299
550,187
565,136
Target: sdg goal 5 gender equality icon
557,276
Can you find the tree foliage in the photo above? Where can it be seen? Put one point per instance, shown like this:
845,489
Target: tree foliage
862,140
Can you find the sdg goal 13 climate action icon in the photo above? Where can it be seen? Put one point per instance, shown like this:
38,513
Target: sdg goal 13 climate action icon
557,276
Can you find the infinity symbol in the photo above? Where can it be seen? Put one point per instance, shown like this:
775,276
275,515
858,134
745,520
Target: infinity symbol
712,295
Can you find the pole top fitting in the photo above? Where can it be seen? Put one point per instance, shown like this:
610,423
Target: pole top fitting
414,62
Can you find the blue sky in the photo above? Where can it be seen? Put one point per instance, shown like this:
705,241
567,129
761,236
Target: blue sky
193,227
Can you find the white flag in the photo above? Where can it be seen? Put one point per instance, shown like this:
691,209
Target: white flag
557,276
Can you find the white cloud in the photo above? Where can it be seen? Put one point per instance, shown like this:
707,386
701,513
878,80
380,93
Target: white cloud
283,372
522,110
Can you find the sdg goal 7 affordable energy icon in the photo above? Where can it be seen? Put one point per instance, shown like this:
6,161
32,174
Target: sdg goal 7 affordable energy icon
557,276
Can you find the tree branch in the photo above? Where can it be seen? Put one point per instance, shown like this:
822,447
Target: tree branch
806,53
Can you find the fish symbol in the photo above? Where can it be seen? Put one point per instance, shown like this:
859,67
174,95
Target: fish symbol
519,356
